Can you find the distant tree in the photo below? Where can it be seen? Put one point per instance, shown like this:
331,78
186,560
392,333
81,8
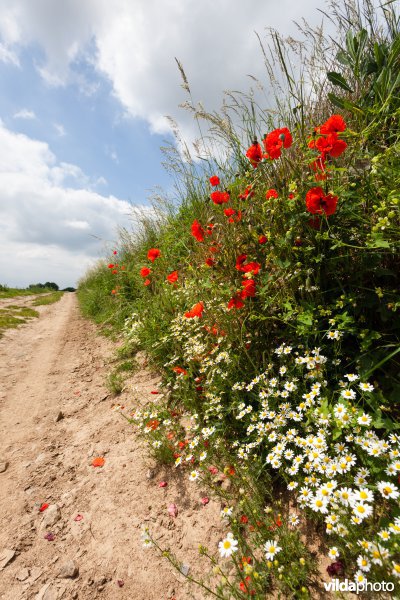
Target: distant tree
69,289
51,285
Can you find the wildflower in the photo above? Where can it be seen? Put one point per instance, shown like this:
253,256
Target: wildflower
271,548
352,377
364,563
334,124
194,475
348,394
195,311
262,239
180,370
364,420
396,569
235,302
172,277
220,197
248,193
333,553
147,282
228,546
153,253
319,504
388,490
254,154
276,140
366,387
318,203
249,290
271,194
226,512
361,510
334,335
293,520
210,262
214,180
146,540
197,231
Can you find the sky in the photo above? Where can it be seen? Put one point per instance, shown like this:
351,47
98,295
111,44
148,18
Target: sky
86,87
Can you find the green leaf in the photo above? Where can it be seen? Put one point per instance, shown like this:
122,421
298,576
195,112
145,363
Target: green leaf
335,100
338,79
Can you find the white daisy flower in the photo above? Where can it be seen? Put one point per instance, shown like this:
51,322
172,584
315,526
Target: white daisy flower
228,546
388,490
194,475
366,387
333,553
271,548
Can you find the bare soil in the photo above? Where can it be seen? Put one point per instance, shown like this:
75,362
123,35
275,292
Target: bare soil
55,363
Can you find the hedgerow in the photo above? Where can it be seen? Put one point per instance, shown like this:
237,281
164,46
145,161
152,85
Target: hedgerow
268,297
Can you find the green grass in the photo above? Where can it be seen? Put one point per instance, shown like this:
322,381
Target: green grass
48,299
6,292
13,316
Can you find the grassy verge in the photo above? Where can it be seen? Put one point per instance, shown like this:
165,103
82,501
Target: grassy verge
6,292
268,297
13,316
48,299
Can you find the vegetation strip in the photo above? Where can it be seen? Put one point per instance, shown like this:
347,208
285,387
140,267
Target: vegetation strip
268,297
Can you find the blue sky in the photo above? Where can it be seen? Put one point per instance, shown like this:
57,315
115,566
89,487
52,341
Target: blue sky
85,88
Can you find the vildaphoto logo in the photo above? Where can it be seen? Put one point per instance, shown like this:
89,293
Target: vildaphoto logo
348,585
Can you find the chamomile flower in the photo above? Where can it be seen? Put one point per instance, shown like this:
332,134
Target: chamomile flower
348,394
388,490
194,475
271,549
363,563
334,553
226,512
366,387
228,546
364,420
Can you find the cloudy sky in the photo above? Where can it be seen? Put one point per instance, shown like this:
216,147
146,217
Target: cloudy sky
86,86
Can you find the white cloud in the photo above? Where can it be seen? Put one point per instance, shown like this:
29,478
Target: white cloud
135,44
24,113
51,223
8,56
60,129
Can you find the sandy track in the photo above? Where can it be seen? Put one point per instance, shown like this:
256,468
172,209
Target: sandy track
59,362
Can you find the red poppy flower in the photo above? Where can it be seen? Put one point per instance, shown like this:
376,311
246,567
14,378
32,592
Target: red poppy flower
318,203
179,370
172,277
330,144
249,288
220,197
254,154
214,180
145,271
276,140
153,253
114,271
240,260
210,262
214,249
334,124
229,212
262,239
110,266
147,282
235,302
197,231
113,292
248,193
195,311
244,519
271,194
251,267
291,196
115,252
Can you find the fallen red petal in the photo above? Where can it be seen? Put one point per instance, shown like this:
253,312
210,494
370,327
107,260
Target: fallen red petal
120,583
173,510
163,484
204,500
43,507
49,536
78,518
98,462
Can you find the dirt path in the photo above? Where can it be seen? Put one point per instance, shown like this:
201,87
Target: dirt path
59,363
